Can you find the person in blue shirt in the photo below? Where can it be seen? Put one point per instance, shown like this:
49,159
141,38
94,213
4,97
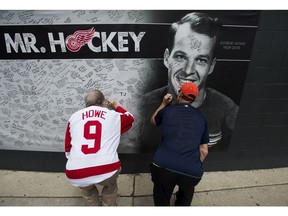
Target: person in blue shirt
183,148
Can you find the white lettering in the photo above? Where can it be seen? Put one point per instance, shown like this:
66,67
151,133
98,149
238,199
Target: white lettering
30,41
14,44
100,42
90,44
60,42
122,41
108,41
137,39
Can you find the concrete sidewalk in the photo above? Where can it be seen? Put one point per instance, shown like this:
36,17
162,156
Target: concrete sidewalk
235,188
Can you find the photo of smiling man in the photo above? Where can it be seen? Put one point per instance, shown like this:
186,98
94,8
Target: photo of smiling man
190,57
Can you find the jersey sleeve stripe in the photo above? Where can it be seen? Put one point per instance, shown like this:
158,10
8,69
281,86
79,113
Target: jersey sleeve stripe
68,139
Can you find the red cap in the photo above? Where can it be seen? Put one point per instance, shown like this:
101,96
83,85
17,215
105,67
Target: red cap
189,89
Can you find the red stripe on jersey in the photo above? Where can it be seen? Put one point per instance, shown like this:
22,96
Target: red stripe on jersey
92,171
68,139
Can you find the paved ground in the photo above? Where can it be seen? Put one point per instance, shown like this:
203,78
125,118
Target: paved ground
236,188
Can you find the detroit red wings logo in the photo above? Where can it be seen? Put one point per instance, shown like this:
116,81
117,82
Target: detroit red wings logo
75,41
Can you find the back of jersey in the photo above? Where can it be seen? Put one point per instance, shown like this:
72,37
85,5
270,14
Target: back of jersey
95,136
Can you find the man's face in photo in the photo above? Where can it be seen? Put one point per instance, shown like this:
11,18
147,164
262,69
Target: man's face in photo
191,58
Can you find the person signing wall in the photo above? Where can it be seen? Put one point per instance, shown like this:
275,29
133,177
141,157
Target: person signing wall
91,142
183,148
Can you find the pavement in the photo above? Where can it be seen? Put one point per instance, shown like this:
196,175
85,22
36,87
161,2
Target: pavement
265,187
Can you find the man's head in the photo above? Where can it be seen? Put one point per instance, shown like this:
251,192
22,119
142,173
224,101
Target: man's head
94,97
190,52
188,91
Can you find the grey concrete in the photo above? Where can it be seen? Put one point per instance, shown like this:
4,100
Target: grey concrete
235,188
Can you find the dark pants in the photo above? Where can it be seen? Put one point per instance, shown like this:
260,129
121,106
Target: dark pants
164,184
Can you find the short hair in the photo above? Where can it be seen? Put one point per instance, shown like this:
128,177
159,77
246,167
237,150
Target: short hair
94,97
200,22
191,100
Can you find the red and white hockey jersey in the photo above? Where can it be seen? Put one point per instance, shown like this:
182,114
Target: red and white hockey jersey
91,142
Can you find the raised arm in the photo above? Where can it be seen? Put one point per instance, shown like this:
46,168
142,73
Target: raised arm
166,100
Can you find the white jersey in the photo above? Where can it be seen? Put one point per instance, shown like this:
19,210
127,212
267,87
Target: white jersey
91,142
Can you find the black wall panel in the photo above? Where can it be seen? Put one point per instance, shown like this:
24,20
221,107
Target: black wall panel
261,129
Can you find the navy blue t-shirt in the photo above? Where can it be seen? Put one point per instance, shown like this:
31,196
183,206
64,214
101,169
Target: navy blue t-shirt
184,128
